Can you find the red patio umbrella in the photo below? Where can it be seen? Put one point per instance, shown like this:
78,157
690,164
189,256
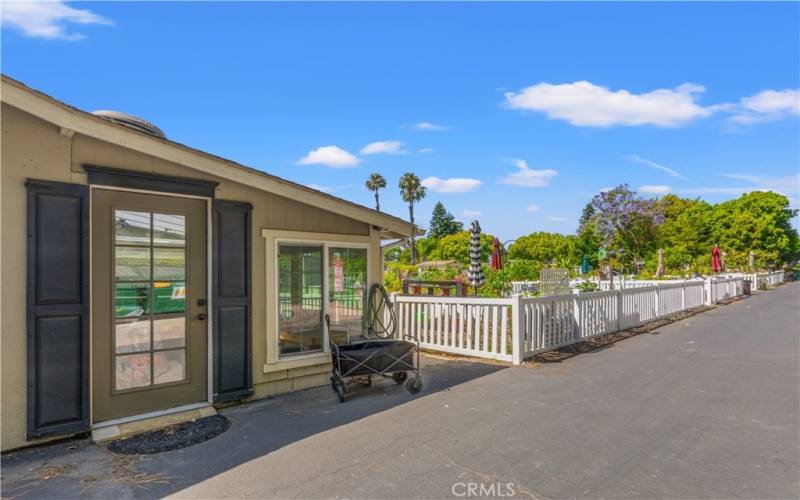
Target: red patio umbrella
716,261
497,255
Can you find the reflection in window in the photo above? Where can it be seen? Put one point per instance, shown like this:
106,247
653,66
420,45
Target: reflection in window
132,371
300,298
347,279
169,230
149,299
132,228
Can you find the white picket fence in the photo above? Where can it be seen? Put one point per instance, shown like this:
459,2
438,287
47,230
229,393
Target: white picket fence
760,280
524,286
471,326
516,328
633,283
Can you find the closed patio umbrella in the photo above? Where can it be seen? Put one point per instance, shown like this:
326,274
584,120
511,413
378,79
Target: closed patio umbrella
716,260
585,265
476,277
660,266
497,255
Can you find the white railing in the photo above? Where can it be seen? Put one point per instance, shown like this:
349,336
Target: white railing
545,323
639,305
717,289
469,326
598,313
516,328
775,278
764,280
524,286
631,283
670,298
694,294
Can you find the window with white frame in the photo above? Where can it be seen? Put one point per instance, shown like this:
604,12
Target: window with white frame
305,296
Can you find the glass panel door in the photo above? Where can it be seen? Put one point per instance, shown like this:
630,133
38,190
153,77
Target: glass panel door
149,299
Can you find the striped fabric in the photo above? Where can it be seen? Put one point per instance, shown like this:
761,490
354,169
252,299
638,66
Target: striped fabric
476,277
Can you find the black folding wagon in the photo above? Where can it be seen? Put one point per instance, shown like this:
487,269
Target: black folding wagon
380,354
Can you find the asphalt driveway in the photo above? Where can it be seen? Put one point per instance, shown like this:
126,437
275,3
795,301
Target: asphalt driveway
707,407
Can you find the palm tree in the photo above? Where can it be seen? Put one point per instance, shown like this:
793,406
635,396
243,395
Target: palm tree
412,191
374,183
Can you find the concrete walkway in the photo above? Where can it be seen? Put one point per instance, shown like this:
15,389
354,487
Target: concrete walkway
707,407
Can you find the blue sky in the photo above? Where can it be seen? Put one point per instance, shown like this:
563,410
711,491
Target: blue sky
515,114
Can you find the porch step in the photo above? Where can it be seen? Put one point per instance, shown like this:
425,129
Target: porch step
128,426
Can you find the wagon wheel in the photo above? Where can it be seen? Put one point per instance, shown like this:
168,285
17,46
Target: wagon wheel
414,385
338,387
399,377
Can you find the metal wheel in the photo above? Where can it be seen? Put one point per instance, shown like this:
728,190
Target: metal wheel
338,386
399,377
414,385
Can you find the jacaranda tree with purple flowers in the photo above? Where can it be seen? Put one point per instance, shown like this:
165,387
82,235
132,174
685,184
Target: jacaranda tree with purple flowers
626,223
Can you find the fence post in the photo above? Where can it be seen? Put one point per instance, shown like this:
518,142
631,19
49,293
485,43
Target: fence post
618,295
576,317
517,329
708,291
393,304
683,295
658,300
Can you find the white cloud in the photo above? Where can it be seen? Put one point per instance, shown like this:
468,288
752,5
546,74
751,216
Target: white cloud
331,156
430,126
557,218
790,182
767,105
655,189
657,166
532,208
721,190
586,104
387,147
48,20
423,151
452,185
471,213
528,177
605,189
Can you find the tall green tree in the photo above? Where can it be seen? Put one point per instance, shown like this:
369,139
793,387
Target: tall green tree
412,191
685,233
443,223
456,247
589,239
757,221
375,183
547,248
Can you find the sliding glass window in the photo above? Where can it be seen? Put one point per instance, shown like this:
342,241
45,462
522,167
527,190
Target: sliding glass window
300,297
347,282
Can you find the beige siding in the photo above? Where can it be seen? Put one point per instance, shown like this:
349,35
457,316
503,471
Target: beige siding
32,148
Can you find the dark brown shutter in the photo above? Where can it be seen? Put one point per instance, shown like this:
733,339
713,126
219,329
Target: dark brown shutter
232,315
58,308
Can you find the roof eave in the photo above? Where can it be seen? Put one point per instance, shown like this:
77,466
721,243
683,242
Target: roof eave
67,117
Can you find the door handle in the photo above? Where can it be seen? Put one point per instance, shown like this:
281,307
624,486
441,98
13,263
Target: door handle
201,316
